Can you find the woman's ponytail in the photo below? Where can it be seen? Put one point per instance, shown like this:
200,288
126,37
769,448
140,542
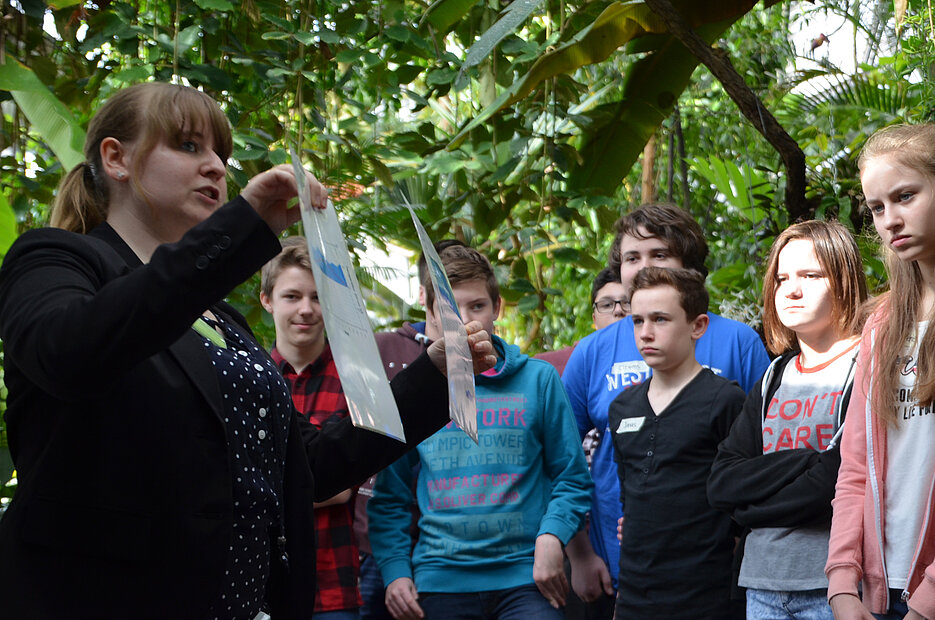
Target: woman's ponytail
80,203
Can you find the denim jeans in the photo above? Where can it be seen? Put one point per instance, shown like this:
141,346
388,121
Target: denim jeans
522,603
898,608
346,614
778,605
372,591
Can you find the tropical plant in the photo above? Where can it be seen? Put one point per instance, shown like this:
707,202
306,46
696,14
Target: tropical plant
376,92
519,131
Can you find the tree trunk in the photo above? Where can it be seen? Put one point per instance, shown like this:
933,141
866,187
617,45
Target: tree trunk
683,165
750,105
648,186
670,165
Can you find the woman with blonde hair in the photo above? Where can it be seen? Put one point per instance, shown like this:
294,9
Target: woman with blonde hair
881,560
163,472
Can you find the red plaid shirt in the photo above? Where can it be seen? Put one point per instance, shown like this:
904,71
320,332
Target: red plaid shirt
317,394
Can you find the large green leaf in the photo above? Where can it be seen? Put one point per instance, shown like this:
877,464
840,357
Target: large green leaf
514,15
652,87
48,116
443,14
548,122
215,5
739,184
7,225
863,92
618,24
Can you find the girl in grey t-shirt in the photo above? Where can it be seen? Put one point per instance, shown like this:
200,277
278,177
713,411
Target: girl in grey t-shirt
776,471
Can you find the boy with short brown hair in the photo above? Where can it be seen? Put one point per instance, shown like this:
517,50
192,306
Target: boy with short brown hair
494,515
606,362
675,551
302,353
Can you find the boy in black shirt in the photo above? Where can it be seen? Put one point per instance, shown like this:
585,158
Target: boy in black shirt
675,553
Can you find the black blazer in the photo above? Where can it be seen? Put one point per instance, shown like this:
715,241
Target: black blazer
124,503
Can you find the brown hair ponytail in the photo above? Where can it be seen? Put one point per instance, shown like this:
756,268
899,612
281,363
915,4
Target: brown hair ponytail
81,202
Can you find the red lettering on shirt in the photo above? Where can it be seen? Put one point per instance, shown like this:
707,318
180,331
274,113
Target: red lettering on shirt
834,400
801,437
794,414
810,406
785,440
489,416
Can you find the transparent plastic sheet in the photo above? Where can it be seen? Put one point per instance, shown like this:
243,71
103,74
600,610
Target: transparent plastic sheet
462,405
350,333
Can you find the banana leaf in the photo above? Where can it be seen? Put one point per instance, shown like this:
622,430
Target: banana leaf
48,116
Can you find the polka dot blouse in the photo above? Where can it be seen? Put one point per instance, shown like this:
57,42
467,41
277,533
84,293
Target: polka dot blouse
257,407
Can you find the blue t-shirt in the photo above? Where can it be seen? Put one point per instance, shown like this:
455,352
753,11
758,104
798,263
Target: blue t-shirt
607,362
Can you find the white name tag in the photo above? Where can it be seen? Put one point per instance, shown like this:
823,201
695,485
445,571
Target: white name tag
630,425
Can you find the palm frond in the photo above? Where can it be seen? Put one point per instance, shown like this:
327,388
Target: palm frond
824,93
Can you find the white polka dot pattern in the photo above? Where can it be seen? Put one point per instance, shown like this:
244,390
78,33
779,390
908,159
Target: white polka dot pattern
257,407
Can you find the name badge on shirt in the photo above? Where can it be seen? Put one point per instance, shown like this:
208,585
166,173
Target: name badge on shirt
630,425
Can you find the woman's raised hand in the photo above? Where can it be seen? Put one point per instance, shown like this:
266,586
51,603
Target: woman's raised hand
483,356
270,192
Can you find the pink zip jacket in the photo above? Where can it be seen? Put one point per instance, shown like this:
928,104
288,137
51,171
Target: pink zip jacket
855,552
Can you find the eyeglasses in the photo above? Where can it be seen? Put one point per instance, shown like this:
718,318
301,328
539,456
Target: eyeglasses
606,306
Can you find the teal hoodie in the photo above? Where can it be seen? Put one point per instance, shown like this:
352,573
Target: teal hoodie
483,505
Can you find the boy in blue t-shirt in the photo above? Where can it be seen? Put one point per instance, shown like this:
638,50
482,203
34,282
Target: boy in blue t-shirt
607,362
675,550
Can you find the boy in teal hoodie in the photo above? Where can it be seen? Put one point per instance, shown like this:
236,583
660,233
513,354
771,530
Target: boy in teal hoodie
496,515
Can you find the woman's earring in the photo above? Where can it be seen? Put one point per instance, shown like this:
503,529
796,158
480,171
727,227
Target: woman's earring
120,175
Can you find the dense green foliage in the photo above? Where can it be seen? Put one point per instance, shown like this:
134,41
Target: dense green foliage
377,95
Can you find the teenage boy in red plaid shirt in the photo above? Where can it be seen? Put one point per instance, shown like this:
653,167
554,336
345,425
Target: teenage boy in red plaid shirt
288,292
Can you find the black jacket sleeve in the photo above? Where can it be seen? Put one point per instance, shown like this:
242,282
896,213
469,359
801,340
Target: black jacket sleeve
780,489
67,309
807,499
342,456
